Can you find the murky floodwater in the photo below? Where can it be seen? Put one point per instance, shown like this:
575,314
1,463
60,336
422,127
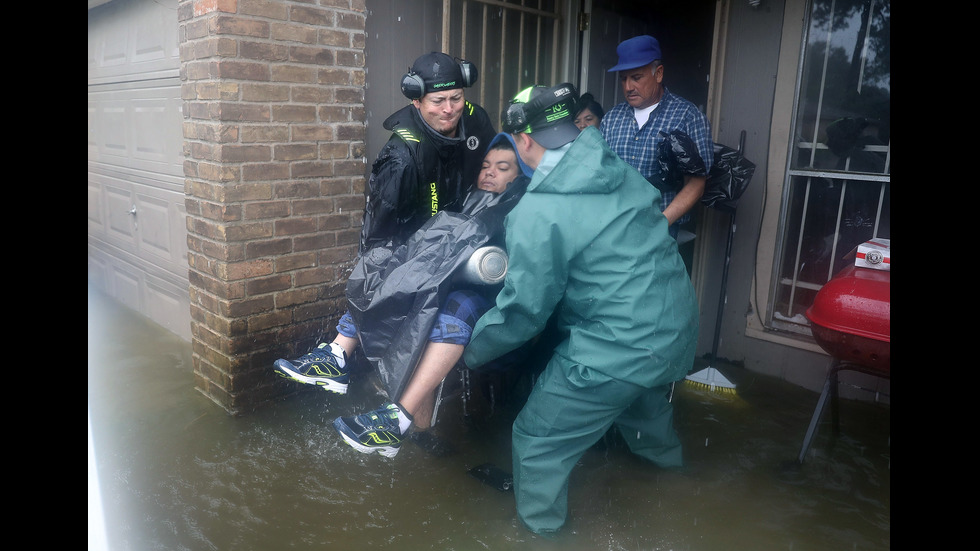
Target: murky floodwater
177,473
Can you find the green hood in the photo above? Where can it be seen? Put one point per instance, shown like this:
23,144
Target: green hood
588,241
588,166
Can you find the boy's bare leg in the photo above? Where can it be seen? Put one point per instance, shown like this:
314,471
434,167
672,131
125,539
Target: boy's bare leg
426,407
438,359
348,344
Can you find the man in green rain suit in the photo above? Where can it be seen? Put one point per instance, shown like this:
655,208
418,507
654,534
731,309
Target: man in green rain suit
589,241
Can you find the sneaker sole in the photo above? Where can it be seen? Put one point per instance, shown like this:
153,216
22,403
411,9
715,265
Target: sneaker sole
326,384
386,451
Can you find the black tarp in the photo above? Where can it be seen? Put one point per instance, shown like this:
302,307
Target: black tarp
394,292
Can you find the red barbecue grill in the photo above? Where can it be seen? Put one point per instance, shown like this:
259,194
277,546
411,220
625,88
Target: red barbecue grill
851,320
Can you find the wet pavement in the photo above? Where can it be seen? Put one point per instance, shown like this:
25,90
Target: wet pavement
177,473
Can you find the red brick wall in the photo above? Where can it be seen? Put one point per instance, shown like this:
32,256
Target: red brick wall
274,144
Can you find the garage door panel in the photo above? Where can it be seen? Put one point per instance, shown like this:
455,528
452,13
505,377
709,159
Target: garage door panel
139,128
153,46
161,222
156,130
167,305
133,39
125,283
114,126
93,130
96,218
98,270
154,219
109,52
121,222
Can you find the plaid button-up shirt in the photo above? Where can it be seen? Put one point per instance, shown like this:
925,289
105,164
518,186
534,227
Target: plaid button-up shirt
638,146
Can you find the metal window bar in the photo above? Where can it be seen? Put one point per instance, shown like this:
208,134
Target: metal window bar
823,86
794,282
532,20
864,48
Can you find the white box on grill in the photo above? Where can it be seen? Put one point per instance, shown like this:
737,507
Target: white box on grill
875,254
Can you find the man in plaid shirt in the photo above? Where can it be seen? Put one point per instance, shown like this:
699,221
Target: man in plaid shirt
632,128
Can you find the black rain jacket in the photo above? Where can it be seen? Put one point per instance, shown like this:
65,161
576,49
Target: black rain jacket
420,172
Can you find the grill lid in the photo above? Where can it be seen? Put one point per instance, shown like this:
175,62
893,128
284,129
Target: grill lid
857,301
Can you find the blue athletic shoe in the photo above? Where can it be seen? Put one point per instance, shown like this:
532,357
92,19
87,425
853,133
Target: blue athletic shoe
373,432
320,367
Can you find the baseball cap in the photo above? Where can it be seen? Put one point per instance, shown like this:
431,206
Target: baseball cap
636,52
438,71
546,113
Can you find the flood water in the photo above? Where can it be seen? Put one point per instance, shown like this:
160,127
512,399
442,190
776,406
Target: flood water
178,473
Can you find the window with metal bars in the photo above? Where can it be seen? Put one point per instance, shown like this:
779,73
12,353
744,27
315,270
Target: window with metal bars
515,43
838,181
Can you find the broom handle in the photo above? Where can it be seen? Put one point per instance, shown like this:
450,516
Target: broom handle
724,286
728,259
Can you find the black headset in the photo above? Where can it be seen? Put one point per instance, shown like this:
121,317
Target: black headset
518,115
413,87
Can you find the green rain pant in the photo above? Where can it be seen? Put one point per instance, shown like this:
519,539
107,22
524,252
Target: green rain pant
570,408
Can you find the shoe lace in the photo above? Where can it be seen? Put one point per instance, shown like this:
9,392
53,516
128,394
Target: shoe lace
385,418
318,355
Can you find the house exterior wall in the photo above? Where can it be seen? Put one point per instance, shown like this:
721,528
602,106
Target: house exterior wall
745,94
756,94
399,31
274,105
274,132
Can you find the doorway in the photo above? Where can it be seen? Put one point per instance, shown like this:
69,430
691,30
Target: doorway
685,31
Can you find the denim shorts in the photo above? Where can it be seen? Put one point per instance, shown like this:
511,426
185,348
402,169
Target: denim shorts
454,324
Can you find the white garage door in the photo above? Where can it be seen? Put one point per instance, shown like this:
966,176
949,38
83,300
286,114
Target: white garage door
137,245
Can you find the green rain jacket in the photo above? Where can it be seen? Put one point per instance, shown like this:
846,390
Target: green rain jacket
588,239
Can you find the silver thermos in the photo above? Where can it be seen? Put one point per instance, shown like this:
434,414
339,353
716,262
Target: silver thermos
487,266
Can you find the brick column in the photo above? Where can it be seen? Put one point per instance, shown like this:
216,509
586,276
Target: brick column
274,138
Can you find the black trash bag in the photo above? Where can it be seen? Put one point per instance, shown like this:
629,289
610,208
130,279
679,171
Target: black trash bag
726,181
846,136
677,156
728,178
394,292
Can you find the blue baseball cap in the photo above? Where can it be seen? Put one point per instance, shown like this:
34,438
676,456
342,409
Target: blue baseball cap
636,52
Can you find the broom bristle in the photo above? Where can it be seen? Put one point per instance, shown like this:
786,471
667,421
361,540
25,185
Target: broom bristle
711,379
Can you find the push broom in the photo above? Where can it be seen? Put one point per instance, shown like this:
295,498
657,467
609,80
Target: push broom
710,377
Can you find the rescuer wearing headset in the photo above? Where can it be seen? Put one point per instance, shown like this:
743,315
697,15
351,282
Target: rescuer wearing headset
433,155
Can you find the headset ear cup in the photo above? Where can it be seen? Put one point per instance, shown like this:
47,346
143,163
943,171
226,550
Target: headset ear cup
469,73
413,87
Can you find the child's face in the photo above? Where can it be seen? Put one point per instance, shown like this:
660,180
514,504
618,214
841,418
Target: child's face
499,169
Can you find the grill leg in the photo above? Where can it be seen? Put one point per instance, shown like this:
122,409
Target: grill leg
834,390
829,391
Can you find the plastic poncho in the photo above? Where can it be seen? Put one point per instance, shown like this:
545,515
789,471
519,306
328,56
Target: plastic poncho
394,292
589,239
